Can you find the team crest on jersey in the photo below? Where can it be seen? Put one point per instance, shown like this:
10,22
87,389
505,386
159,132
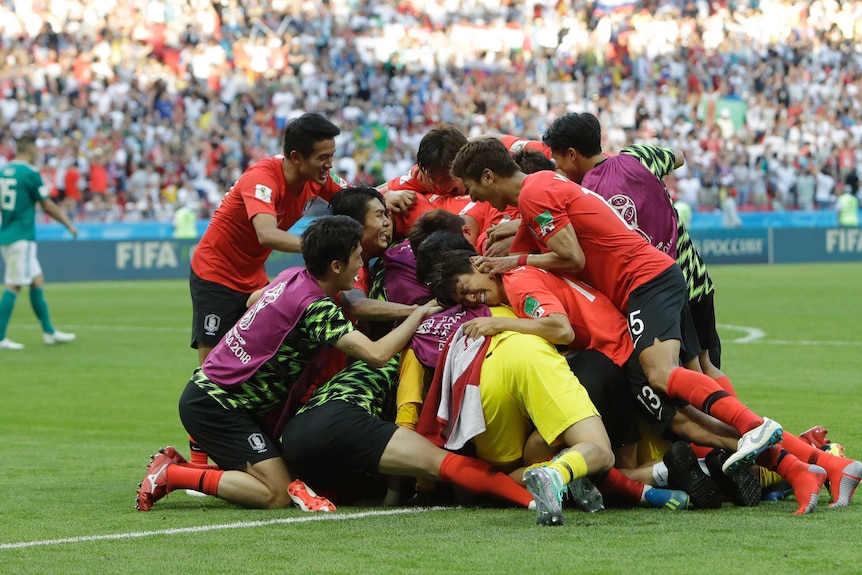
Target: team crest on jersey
211,324
532,307
264,193
546,223
342,183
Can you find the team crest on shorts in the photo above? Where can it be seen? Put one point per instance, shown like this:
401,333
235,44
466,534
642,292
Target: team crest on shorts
257,442
211,324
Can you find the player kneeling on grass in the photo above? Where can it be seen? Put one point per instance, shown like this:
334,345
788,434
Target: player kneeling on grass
341,430
253,380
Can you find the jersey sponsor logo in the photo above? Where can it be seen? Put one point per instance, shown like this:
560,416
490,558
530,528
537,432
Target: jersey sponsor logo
545,222
257,442
263,193
532,307
405,178
517,146
211,324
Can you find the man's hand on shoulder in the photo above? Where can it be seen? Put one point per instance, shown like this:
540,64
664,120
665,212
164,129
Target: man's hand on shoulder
400,201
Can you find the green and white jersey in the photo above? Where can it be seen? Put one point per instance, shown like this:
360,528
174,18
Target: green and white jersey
21,188
364,386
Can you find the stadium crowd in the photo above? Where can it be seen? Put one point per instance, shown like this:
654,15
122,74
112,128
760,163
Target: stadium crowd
144,106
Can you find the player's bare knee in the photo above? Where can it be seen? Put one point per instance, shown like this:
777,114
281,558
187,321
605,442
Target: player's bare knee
609,459
657,377
279,499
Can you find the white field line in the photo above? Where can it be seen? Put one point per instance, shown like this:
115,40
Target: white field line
755,335
205,528
118,328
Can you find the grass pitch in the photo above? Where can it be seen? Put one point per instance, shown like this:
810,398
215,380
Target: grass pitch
79,421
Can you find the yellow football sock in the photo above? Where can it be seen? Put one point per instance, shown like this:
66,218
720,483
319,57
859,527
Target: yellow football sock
571,465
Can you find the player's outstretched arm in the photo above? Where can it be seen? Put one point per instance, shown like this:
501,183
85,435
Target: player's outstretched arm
53,210
377,353
270,236
362,308
554,327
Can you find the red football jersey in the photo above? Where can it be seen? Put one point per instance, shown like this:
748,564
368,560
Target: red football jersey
597,323
428,198
618,259
229,252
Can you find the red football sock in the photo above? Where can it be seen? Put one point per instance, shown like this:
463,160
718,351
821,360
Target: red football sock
619,490
197,456
805,479
725,384
707,395
844,474
478,477
700,451
804,450
203,480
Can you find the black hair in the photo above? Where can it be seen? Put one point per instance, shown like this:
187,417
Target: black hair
579,131
438,147
434,250
478,155
433,221
302,133
532,161
328,239
445,282
353,202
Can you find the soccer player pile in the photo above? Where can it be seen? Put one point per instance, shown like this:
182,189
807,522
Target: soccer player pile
523,320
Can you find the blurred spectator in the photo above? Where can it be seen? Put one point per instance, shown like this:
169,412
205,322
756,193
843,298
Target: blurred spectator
824,188
185,220
805,185
848,209
688,188
201,90
729,216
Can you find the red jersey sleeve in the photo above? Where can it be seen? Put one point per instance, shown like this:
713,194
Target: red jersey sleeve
529,296
543,210
362,280
408,181
524,242
515,144
259,192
